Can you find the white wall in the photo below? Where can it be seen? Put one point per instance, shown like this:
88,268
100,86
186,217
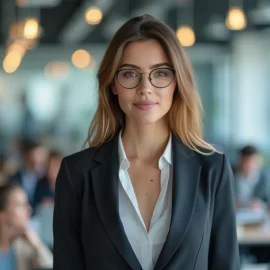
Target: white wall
251,89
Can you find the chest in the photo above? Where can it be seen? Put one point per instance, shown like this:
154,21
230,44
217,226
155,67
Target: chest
146,183
145,180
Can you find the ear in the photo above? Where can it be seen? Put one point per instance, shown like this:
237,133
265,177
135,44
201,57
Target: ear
113,89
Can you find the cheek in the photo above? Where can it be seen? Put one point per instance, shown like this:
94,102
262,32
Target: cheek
125,101
166,98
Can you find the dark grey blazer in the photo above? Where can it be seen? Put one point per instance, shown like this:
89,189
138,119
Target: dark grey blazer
88,232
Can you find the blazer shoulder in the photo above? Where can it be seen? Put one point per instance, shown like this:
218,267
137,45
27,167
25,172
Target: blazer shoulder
87,158
84,158
77,166
75,169
215,160
217,166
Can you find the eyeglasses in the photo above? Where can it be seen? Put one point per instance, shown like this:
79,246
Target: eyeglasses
159,77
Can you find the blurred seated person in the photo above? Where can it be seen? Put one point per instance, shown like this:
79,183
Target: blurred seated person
252,184
44,194
33,169
20,246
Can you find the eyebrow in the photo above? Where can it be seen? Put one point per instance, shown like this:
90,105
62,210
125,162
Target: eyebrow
137,67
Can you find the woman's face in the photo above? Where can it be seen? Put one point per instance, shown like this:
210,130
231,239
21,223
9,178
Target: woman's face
17,212
146,103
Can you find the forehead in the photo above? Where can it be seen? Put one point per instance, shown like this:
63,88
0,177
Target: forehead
144,54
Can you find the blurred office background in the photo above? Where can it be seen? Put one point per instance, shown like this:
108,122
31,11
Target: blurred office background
50,51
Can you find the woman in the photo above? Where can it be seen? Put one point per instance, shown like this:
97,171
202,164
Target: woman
149,193
20,247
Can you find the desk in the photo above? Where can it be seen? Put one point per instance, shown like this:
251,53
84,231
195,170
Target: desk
254,235
256,267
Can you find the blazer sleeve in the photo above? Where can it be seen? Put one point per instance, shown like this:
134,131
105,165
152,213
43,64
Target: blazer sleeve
68,251
224,251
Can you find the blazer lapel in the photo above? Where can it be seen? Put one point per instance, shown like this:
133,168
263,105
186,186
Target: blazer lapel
186,175
105,188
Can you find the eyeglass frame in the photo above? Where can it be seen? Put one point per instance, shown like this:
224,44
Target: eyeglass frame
149,77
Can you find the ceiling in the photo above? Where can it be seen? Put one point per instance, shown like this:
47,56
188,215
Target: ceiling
64,23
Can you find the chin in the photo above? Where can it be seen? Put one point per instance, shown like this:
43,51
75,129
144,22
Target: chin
142,121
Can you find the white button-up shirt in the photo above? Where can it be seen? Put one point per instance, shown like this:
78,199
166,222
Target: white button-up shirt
146,245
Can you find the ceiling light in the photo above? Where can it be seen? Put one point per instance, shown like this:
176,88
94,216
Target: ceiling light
186,36
31,28
236,19
18,46
93,15
12,61
81,59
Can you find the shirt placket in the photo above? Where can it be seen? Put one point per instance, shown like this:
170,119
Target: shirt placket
164,178
147,262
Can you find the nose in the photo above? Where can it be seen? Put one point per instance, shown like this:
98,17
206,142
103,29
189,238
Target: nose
145,87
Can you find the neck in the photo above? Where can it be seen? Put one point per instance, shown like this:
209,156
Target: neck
5,238
145,142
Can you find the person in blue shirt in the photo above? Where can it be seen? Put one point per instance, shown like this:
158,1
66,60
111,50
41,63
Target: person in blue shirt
7,259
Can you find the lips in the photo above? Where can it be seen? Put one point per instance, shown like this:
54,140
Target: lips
145,105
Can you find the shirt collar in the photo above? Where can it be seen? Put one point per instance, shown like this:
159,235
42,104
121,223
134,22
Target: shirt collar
123,161
165,158
167,155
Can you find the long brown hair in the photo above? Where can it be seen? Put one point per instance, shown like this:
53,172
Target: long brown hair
185,115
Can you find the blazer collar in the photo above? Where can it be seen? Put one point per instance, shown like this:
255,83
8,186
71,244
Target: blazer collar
105,188
186,175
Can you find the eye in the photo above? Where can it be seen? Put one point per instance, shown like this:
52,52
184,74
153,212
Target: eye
129,74
161,73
